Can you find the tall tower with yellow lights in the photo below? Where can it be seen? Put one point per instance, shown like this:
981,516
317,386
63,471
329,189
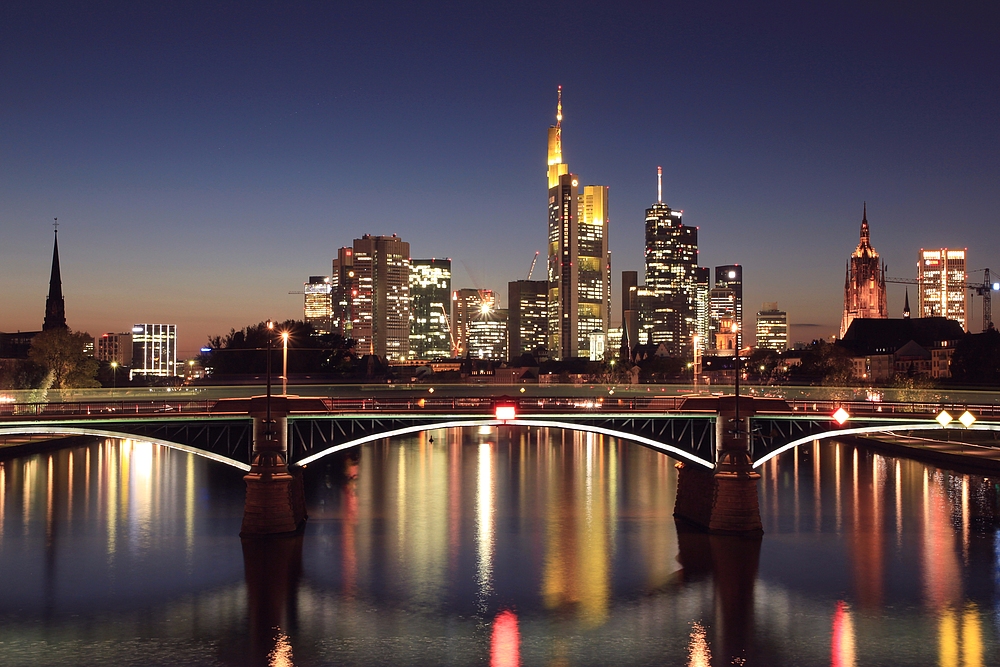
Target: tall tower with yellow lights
579,262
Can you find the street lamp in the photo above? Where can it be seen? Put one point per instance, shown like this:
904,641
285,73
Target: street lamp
284,363
736,329
114,377
267,427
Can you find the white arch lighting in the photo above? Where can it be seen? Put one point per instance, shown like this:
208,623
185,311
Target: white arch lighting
667,449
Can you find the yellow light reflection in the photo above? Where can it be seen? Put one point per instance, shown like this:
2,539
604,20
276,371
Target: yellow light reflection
699,652
69,490
189,509
281,654
484,523
972,637
3,496
948,639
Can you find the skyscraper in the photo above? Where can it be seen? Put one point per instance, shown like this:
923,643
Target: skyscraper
55,306
115,347
430,291
772,328
480,327
730,276
527,318
864,285
579,282
671,257
372,295
318,303
941,279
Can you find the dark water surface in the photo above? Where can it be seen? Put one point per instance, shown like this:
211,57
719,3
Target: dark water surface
512,548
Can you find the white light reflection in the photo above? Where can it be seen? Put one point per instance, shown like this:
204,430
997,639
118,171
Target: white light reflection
899,506
699,653
189,510
484,524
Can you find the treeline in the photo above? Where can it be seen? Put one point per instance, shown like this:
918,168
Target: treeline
244,351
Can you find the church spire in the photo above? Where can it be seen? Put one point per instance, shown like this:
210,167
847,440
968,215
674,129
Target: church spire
865,236
906,305
55,307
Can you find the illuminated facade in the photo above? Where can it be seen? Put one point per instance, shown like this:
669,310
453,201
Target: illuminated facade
772,328
430,291
154,349
670,306
730,277
488,334
466,303
722,315
527,322
115,347
318,303
579,275
941,278
864,285
371,295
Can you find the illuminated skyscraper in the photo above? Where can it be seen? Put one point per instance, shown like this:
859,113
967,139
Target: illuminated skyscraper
372,295
154,349
430,291
864,285
579,276
318,303
527,321
702,307
730,277
941,278
671,276
480,327
772,328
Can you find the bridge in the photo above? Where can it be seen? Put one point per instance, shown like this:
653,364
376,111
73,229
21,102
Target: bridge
718,441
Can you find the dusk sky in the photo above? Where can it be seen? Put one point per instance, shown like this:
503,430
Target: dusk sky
205,159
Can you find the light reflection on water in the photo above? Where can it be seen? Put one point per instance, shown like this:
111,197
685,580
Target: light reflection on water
508,546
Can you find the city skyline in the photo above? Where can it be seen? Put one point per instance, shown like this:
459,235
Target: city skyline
200,180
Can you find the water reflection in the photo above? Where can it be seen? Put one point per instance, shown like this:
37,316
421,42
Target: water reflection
511,546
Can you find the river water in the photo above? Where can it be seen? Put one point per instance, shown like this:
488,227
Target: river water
509,547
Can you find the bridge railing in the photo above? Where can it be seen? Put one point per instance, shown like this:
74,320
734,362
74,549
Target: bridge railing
104,408
877,408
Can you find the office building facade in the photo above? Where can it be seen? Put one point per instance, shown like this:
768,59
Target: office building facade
318,303
941,279
114,347
772,328
430,295
527,319
372,295
154,349
730,277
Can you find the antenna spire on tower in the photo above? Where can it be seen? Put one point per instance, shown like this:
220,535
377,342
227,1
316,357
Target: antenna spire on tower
559,109
659,185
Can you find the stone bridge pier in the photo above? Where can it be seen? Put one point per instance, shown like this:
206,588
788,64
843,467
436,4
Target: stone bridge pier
275,500
723,500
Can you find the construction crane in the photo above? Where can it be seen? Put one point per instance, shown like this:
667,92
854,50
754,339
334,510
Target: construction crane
455,351
532,269
984,289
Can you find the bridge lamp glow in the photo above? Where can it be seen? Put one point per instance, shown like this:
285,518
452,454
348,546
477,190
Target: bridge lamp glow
967,419
505,412
841,416
943,418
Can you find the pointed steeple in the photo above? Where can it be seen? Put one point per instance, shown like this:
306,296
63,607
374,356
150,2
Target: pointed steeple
55,307
906,305
864,225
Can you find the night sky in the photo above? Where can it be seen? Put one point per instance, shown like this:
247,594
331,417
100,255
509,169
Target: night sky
203,161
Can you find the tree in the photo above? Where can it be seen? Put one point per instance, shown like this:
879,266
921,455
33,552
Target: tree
62,353
243,351
977,359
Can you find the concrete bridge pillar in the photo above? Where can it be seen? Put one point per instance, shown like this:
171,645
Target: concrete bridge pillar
275,501
723,500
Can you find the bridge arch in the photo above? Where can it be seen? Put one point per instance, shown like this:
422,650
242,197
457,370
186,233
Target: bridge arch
103,433
863,430
669,450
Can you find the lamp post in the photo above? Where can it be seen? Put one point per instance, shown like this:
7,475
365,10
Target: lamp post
284,363
114,377
267,427
736,329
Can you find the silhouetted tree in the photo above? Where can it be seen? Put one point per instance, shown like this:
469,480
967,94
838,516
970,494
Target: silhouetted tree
977,359
62,353
244,351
